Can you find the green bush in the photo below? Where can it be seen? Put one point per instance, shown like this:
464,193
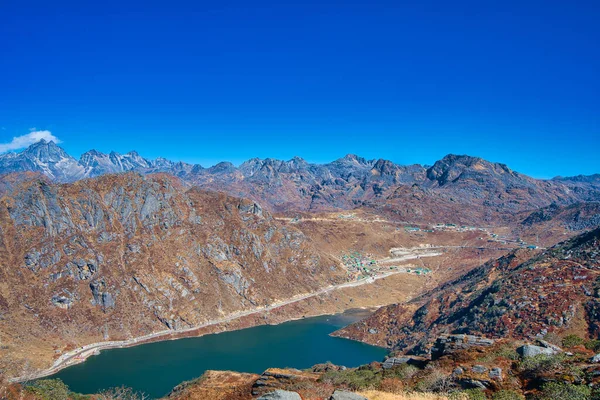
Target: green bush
49,389
403,371
572,341
593,345
504,351
555,391
541,363
507,395
468,394
354,379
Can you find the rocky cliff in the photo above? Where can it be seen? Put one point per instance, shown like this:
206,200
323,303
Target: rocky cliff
126,255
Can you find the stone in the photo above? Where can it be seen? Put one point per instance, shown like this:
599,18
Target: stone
280,395
101,297
276,379
549,345
595,359
474,384
530,350
496,373
343,395
458,371
412,360
62,302
393,361
446,344
479,369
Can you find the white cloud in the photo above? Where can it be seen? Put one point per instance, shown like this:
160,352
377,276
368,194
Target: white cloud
20,142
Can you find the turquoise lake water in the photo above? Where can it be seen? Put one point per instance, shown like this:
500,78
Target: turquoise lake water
155,368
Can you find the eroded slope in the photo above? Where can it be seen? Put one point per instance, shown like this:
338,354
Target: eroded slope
124,255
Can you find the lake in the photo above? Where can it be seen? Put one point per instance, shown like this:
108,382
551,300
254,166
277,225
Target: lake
155,368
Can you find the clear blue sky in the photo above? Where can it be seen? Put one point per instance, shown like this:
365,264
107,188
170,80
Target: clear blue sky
510,81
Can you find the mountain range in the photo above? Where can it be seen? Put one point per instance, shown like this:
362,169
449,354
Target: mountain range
346,183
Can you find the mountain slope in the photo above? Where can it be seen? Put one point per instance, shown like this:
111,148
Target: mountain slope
520,296
124,255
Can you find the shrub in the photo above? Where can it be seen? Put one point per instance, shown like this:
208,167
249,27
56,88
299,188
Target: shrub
121,393
391,385
555,390
541,363
468,394
593,345
354,379
572,341
507,395
504,351
403,371
49,389
475,394
553,338
435,381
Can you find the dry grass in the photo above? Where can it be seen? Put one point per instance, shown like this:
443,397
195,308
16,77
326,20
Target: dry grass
376,395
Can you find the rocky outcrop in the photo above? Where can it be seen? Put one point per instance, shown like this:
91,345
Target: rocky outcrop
392,362
125,255
275,378
280,395
530,350
344,395
447,344
101,296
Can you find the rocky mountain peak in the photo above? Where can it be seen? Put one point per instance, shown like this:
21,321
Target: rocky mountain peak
223,166
352,159
453,167
46,151
297,160
385,167
45,157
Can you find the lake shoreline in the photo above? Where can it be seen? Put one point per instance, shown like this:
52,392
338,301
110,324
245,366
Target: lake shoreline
79,355
93,349
298,343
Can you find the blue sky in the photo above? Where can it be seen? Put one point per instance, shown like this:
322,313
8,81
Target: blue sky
511,81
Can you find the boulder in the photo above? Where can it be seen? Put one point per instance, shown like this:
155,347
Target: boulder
475,384
62,301
530,350
343,395
446,344
280,395
496,373
549,345
411,360
281,378
326,367
479,369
